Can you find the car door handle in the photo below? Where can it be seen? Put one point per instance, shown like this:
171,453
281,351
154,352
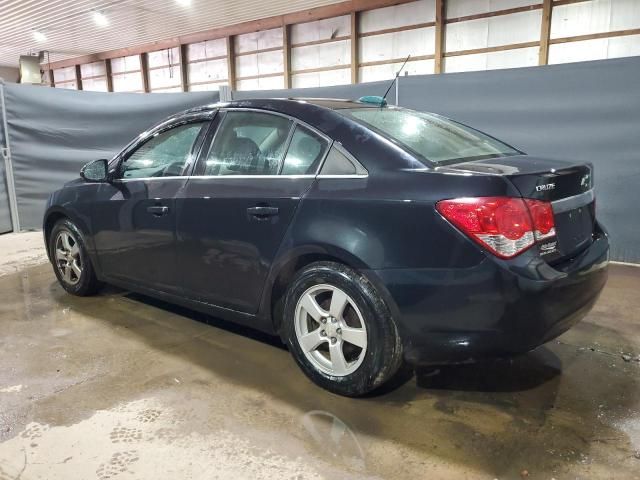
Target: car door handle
262,212
158,210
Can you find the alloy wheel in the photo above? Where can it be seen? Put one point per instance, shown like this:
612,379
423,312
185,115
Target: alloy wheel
68,260
330,330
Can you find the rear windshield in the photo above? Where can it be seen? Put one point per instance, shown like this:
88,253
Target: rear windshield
431,136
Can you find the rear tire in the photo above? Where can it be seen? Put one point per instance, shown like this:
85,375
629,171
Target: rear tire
339,330
71,262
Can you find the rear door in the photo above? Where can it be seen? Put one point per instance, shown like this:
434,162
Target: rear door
134,216
235,210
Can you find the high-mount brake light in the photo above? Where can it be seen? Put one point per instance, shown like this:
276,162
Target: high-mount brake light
506,226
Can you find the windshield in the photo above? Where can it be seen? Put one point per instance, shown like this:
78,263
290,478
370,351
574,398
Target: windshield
431,136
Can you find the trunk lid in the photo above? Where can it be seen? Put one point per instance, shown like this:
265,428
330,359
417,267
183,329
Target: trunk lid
569,188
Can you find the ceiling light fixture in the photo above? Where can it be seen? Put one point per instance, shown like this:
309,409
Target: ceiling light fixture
39,36
100,19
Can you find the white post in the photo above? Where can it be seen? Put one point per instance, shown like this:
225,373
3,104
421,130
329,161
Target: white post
6,154
226,95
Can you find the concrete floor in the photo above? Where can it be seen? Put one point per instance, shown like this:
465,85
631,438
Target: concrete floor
121,386
21,250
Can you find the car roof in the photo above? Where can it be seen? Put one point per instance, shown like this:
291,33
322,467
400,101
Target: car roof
286,103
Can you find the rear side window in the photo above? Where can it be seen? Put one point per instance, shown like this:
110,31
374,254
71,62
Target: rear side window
248,143
338,163
305,153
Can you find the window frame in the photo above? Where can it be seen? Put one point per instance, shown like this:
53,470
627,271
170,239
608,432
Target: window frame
211,138
115,166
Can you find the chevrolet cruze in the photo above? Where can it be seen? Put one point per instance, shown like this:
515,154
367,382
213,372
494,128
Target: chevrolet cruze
364,235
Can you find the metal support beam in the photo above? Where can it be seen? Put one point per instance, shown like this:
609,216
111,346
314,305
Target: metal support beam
545,32
107,71
286,51
8,165
184,68
231,63
144,66
439,44
355,47
78,78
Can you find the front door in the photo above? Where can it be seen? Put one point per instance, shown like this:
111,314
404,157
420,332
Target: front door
134,216
234,212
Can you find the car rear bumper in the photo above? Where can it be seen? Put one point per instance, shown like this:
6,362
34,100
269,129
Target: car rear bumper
495,308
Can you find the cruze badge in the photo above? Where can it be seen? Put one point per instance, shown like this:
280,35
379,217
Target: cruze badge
545,187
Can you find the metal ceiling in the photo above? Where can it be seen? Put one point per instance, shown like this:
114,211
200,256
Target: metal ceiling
71,31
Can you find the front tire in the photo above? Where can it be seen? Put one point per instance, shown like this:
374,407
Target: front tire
339,330
71,262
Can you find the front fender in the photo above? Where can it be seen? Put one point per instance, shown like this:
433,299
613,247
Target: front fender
75,203
56,212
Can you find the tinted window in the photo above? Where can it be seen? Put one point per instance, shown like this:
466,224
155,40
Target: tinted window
305,153
432,137
337,163
248,143
164,155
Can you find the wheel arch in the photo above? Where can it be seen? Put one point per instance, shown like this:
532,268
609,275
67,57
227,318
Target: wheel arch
53,216
285,268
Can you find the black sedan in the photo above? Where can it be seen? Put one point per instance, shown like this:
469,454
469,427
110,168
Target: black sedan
363,234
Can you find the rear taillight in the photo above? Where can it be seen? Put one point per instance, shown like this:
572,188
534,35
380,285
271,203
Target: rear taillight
505,226
542,216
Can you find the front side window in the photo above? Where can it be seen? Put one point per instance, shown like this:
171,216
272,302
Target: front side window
305,153
166,154
248,143
432,137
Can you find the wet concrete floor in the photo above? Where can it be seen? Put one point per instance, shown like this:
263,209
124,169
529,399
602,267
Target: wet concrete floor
121,386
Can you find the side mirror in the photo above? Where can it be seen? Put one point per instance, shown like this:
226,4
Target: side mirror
96,171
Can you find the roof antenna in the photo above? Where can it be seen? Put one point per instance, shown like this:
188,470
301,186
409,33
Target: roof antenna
382,101
395,79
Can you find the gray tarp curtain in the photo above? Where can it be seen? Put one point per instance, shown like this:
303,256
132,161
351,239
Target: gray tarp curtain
53,132
588,111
